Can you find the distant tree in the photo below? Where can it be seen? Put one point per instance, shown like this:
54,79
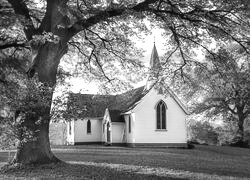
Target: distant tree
220,86
226,133
101,32
203,133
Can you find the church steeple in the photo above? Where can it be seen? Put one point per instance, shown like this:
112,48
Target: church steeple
153,69
154,59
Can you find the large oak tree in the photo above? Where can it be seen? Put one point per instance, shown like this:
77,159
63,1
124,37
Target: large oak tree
224,83
99,28
219,88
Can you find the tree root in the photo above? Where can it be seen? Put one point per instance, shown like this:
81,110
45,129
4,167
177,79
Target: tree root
15,167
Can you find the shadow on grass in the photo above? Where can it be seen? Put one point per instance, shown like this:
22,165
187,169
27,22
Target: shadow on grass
72,171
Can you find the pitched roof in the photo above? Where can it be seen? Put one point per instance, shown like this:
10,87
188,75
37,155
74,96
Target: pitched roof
95,105
129,99
178,101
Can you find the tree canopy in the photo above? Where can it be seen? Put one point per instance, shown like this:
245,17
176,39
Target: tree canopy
219,86
97,28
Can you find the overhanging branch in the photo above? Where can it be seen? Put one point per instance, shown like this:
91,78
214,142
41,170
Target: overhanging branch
108,13
12,45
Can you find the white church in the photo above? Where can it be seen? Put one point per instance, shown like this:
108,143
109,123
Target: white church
145,116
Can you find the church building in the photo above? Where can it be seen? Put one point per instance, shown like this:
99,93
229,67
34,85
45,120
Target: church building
145,116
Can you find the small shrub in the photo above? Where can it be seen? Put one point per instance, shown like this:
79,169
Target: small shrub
190,145
194,141
239,142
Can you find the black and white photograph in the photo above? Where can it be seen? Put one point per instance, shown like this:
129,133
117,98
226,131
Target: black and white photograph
125,89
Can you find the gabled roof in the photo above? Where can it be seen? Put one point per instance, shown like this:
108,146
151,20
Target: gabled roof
178,101
128,100
93,105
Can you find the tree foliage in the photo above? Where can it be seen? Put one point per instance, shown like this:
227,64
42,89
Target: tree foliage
20,98
220,86
98,28
203,133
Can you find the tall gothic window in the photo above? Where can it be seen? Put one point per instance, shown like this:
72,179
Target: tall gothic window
129,124
161,115
88,127
70,128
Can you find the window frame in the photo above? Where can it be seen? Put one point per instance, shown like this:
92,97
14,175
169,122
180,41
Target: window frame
70,128
88,126
162,115
129,124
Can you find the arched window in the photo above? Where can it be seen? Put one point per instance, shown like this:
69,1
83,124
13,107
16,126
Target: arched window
88,127
70,128
161,115
129,124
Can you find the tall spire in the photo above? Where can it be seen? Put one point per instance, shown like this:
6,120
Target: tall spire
154,68
154,59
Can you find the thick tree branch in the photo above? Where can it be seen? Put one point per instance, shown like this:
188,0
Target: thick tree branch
52,14
108,13
11,45
92,54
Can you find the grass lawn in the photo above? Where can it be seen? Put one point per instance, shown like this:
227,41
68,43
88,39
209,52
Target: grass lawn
99,162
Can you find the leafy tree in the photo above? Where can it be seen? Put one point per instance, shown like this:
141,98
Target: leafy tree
100,30
221,87
226,133
203,132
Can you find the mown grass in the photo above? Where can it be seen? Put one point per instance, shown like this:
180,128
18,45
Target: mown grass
211,160
74,171
207,159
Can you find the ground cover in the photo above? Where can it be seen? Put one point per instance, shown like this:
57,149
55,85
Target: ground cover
98,162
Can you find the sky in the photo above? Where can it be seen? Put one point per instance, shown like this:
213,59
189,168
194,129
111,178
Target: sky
148,42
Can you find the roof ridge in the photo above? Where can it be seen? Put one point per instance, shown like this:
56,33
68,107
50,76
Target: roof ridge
131,90
92,94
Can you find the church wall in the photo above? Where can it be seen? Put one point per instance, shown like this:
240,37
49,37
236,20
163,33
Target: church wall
81,134
129,136
145,121
118,132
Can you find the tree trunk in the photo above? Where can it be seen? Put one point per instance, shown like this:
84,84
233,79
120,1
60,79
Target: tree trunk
239,140
36,150
241,127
